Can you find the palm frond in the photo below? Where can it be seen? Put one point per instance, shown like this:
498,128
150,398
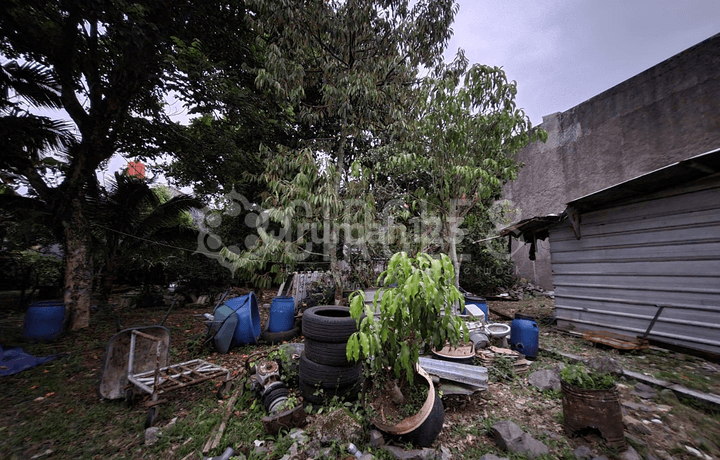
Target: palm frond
27,136
170,213
32,82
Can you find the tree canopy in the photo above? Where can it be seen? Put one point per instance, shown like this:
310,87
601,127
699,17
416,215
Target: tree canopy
346,71
107,64
465,130
321,111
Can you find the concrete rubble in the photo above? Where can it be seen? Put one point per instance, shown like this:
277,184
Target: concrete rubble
545,379
509,436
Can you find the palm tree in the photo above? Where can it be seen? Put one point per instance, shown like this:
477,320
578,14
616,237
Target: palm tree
29,139
135,228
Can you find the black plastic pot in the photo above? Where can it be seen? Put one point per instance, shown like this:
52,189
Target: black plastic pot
422,428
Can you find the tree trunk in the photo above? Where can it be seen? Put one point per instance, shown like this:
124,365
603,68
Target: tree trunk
335,264
336,220
452,250
107,281
78,268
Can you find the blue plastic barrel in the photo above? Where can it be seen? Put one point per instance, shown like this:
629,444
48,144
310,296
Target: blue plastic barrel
480,302
44,321
282,314
524,335
248,329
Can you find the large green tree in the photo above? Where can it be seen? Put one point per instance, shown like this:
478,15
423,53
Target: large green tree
459,147
345,70
106,63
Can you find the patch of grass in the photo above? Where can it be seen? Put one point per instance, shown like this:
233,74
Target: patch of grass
552,394
502,370
610,451
243,427
472,429
488,423
640,447
566,453
380,454
476,451
692,380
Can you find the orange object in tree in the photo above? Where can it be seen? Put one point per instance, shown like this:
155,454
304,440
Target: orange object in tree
136,169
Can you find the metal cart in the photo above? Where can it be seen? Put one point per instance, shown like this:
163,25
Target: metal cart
161,380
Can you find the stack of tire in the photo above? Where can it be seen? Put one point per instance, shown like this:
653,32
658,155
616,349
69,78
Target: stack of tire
324,369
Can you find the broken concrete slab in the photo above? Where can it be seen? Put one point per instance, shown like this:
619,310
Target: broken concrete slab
492,457
583,453
630,454
376,438
635,426
636,407
417,454
605,365
512,438
644,391
445,453
152,436
545,379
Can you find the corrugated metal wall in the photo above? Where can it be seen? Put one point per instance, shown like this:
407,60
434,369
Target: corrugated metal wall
635,257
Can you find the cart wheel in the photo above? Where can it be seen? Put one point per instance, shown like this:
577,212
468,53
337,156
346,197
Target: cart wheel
225,389
151,416
129,397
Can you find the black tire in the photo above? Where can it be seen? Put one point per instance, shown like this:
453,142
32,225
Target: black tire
273,395
425,434
280,337
315,374
308,394
151,417
328,323
328,353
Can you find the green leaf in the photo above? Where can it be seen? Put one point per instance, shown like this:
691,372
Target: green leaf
352,349
357,304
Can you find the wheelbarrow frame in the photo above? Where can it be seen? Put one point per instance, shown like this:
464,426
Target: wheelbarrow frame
161,380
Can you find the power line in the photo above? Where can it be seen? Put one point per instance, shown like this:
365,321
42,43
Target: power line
144,239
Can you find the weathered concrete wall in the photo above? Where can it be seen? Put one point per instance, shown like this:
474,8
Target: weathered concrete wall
667,113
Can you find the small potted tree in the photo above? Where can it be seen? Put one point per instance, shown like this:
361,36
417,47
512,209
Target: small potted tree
590,400
414,313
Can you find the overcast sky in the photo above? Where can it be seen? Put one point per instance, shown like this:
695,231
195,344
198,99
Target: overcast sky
563,52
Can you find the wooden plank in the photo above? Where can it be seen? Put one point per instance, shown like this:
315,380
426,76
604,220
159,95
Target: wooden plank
615,340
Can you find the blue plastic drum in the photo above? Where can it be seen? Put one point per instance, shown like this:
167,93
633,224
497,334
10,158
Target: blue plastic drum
524,335
282,314
248,329
44,321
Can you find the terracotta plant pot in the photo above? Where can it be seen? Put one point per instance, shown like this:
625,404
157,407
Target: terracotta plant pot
422,428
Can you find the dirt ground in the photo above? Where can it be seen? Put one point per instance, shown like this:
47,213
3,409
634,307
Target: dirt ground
64,392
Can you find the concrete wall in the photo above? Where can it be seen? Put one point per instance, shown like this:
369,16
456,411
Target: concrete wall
667,113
